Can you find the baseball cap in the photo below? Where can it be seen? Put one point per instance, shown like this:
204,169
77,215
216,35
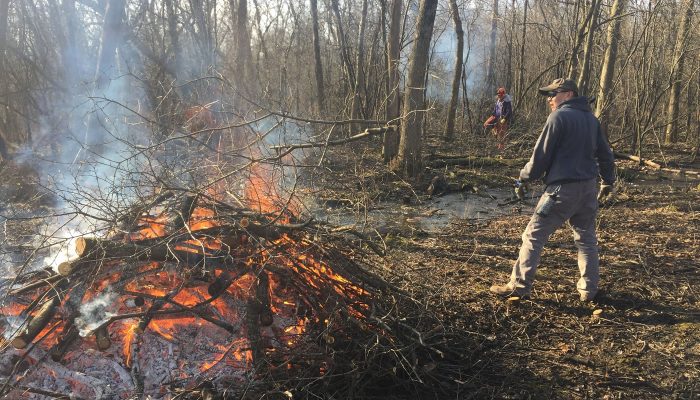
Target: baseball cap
559,85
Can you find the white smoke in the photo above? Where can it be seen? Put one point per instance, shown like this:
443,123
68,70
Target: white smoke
95,313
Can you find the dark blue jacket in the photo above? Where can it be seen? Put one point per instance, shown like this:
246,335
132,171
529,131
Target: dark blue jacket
571,147
506,108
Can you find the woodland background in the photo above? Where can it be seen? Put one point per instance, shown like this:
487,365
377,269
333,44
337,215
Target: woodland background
350,64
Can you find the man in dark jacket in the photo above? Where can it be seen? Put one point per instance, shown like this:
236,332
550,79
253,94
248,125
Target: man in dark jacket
569,155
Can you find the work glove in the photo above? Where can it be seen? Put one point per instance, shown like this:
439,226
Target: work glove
605,191
520,189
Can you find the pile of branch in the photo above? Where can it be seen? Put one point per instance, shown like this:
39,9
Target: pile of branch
362,337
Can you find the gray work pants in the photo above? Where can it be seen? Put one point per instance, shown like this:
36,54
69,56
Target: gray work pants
576,204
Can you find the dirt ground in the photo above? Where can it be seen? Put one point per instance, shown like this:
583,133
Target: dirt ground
638,340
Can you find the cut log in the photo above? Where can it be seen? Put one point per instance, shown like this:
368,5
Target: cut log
91,249
36,324
68,267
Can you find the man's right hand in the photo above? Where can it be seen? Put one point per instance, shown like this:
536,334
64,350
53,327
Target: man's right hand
520,189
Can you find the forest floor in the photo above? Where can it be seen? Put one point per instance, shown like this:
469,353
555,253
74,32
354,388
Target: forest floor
644,345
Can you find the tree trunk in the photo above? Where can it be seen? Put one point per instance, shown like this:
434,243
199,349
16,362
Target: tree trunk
509,65
174,36
203,35
243,51
584,74
573,61
112,35
676,76
359,84
452,110
521,70
491,71
391,142
408,162
607,72
4,15
342,43
320,89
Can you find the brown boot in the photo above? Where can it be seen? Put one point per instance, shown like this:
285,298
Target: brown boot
508,291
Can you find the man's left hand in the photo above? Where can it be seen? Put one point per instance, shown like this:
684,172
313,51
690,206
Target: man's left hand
605,192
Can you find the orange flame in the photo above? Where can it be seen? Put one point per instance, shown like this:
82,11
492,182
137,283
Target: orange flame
129,335
155,228
168,327
202,218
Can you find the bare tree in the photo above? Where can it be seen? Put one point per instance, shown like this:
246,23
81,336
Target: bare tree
608,69
112,36
677,68
318,65
521,69
584,74
359,84
344,48
243,58
454,98
580,37
491,69
391,142
4,15
408,161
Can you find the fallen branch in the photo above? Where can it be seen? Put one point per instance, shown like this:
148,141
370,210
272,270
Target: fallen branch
680,172
366,133
648,163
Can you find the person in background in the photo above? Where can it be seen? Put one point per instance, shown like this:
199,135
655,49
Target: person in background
570,154
500,118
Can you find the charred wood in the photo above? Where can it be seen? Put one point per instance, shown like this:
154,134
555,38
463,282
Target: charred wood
36,324
262,295
252,322
59,350
102,338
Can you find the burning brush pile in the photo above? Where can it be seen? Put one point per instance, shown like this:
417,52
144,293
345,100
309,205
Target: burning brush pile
191,297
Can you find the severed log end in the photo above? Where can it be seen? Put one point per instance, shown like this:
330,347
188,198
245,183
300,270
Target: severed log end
36,324
133,302
102,338
66,268
86,245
